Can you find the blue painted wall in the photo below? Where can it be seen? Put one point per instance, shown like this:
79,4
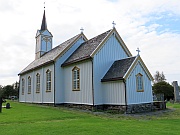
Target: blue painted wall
134,97
103,59
59,75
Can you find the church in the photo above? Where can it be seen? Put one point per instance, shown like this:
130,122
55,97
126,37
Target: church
97,73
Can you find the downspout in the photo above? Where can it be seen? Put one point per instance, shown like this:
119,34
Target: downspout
125,94
92,82
54,85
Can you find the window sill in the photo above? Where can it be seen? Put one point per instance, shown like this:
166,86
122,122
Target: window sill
29,93
48,90
76,90
140,90
37,92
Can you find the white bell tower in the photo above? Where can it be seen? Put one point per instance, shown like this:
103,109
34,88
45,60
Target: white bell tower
43,39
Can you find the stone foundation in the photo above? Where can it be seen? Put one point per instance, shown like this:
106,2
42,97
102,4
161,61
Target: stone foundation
129,109
114,108
79,106
139,108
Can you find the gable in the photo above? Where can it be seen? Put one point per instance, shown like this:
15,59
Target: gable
43,32
46,32
89,48
139,61
119,39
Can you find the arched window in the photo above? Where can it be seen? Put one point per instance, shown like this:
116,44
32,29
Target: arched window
76,78
48,80
37,83
29,85
139,82
23,83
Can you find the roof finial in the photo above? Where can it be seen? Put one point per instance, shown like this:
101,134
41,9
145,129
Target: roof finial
138,51
113,24
82,29
44,5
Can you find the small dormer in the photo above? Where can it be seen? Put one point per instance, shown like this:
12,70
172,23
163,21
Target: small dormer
43,39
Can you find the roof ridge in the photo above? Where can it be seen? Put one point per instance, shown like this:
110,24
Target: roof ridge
101,34
126,58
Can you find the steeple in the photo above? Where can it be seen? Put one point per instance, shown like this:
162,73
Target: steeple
43,39
44,24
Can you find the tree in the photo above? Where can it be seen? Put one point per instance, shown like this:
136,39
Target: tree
164,88
9,90
159,77
1,90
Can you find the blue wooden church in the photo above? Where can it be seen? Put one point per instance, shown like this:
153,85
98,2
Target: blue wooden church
96,73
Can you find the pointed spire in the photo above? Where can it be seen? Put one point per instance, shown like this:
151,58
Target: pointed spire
44,24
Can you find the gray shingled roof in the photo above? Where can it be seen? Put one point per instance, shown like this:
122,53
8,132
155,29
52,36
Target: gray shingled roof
118,69
49,56
85,49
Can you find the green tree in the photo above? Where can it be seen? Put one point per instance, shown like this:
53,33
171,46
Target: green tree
1,90
8,91
164,88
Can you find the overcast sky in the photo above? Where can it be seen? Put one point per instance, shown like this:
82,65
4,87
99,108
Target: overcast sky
151,25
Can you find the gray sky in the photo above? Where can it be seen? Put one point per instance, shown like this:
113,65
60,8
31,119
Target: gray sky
151,25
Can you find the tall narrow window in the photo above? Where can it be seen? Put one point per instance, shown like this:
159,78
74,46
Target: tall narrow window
37,83
48,80
139,83
23,83
76,78
29,85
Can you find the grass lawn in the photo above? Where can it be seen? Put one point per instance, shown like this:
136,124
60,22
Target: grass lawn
31,119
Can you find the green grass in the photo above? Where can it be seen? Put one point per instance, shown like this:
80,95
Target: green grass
31,119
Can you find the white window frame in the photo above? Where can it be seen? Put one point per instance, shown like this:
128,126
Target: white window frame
139,83
37,83
48,81
76,79
29,85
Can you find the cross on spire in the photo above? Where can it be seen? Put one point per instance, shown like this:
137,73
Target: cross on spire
113,23
138,51
82,29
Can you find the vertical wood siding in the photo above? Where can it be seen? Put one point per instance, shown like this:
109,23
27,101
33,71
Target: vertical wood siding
38,96
103,60
21,97
43,96
134,97
84,96
59,75
114,93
